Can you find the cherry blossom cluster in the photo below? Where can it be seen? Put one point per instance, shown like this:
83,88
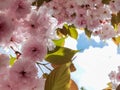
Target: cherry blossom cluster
21,76
90,14
32,29
115,78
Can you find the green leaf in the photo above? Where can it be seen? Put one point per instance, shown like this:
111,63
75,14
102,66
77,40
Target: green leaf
12,60
39,2
59,78
115,20
66,26
59,42
88,32
72,31
60,55
118,16
116,40
68,30
106,1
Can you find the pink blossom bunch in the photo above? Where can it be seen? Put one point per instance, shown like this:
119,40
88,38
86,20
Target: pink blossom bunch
64,10
30,29
115,77
90,14
23,75
106,32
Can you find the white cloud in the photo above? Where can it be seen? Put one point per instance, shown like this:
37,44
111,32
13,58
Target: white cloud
96,64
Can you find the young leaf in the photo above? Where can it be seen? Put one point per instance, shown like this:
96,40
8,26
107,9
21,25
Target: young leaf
115,20
109,86
59,78
12,60
62,32
68,30
106,1
59,42
88,32
60,55
116,40
72,31
39,2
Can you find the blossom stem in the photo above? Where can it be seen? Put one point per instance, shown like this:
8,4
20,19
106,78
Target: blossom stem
16,52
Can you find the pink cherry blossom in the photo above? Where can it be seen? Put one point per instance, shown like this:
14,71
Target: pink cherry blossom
23,72
31,23
93,3
4,62
34,49
6,85
5,4
113,6
118,68
20,8
112,75
118,77
4,80
19,35
107,32
39,84
6,28
82,2
104,12
63,10
117,5
40,24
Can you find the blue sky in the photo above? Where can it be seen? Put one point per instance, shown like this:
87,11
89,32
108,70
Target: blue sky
84,43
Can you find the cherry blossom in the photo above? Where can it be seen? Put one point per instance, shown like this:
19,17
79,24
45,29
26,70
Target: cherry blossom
23,72
34,49
112,75
5,85
6,28
5,4
20,8
4,62
107,32
39,84
117,5
118,77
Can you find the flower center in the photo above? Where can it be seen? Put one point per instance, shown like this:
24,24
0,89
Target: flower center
23,73
34,50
